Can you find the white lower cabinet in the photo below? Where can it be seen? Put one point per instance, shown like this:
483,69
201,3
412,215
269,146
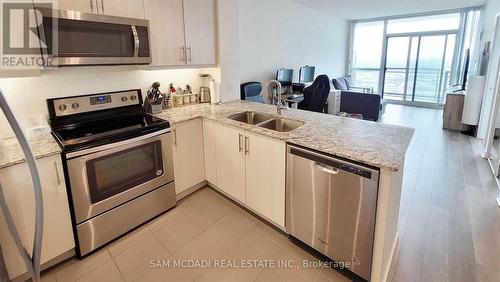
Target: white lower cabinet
230,162
209,151
251,168
189,163
57,228
265,176
247,167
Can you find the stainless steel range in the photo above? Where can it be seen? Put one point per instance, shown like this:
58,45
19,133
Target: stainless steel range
118,164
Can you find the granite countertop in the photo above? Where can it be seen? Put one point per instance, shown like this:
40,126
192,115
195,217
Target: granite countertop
372,143
43,145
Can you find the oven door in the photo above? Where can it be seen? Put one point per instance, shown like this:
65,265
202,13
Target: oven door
76,38
102,180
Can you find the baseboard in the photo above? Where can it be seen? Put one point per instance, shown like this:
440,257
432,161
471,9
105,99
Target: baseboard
63,257
191,190
248,209
492,163
415,104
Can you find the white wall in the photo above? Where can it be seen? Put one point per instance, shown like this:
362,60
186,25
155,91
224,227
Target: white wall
488,14
282,34
27,95
229,50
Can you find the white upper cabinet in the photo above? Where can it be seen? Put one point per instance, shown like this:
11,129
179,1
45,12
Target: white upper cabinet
182,32
166,25
119,8
86,6
199,25
122,8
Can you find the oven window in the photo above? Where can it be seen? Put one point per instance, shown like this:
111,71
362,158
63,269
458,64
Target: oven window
118,172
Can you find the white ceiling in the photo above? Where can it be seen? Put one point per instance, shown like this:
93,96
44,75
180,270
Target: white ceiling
365,9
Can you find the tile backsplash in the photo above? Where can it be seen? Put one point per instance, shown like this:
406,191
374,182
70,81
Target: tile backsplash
27,95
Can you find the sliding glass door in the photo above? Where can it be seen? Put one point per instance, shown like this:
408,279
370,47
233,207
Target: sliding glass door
396,68
417,66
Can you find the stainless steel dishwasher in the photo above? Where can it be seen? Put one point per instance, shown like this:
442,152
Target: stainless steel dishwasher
331,206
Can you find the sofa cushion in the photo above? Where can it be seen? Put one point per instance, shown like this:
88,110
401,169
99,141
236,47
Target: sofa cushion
348,81
339,84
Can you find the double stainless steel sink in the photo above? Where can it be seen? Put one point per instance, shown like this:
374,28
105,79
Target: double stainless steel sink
266,121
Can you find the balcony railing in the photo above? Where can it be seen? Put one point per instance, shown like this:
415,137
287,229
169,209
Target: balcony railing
428,86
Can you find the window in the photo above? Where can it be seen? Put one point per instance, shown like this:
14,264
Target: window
413,58
366,56
425,23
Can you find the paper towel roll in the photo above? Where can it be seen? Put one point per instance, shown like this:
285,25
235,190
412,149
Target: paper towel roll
214,92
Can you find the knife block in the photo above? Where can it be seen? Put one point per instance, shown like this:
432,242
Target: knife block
151,108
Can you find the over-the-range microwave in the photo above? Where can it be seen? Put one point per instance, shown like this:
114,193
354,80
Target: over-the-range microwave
92,39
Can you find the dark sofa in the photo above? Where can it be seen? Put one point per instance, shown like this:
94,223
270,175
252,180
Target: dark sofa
371,106
361,103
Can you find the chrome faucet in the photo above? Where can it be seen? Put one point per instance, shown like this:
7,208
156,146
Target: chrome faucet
279,104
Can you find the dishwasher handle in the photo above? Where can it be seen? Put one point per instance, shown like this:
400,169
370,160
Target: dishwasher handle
326,168
334,165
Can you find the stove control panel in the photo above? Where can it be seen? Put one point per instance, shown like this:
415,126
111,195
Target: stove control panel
90,103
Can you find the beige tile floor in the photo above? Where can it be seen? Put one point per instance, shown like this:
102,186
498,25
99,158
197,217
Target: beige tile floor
203,226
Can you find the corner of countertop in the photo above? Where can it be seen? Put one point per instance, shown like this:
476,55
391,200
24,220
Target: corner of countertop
43,145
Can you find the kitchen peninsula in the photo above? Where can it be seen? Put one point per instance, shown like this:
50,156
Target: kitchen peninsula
254,176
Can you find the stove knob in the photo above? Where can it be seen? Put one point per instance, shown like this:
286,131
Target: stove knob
124,99
133,97
62,107
75,106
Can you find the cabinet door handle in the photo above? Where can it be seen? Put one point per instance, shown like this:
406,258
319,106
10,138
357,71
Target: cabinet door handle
189,53
175,137
102,6
240,142
182,53
58,177
92,5
247,145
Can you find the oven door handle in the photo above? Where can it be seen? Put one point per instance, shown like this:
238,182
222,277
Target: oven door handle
116,144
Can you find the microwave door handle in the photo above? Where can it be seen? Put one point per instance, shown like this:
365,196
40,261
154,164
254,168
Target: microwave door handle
136,41
41,40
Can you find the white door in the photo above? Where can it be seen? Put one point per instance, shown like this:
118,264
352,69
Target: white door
189,163
486,128
57,227
265,177
209,151
230,161
13,179
122,8
86,6
166,23
199,20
